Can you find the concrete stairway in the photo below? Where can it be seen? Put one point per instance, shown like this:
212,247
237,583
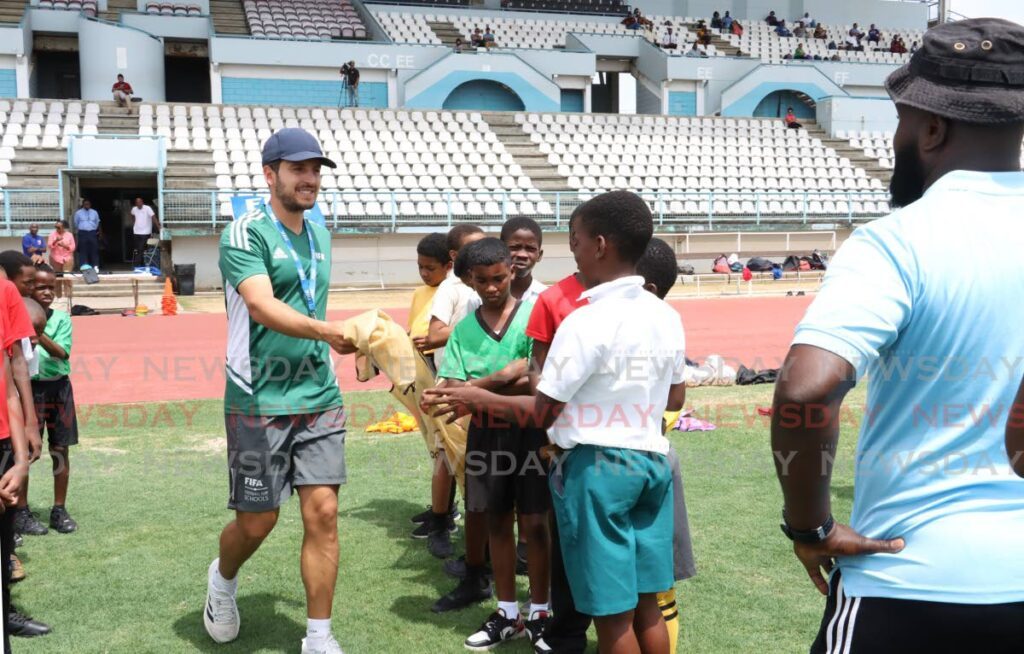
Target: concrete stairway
228,17
117,120
189,171
116,286
858,158
11,11
446,31
36,168
722,45
529,157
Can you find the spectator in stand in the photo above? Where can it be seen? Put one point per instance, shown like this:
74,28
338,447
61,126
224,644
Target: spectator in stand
771,20
62,252
836,57
489,38
631,22
791,121
123,92
33,245
727,22
146,223
782,30
642,20
476,39
832,45
458,45
800,31
716,21
854,36
669,41
799,52
913,47
353,84
695,51
897,46
808,21
737,29
87,222
874,35
820,33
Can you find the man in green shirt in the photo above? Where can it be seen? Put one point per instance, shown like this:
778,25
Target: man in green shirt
53,395
283,410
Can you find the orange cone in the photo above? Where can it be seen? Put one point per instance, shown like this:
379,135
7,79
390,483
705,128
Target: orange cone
169,304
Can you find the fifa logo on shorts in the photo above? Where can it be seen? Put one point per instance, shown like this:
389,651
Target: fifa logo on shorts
253,483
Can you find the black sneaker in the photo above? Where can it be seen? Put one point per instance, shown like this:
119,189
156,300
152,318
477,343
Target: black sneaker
521,568
19,624
61,521
421,532
495,631
457,568
535,628
19,540
420,518
472,589
439,543
25,522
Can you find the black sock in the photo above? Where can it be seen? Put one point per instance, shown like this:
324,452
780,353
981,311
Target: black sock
438,521
451,498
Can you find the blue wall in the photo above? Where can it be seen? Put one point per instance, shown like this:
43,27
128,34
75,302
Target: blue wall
8,83
749,103
776,103
324,93
682,103
483,95
572,100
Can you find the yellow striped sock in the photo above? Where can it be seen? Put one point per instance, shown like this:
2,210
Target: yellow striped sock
670,611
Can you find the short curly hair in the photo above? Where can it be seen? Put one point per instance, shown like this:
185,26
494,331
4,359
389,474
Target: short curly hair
658,266
623,218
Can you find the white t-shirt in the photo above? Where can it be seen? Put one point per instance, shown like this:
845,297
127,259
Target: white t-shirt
532,293
612,362
143,220
453,301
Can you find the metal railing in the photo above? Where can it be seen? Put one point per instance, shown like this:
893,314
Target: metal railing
377,211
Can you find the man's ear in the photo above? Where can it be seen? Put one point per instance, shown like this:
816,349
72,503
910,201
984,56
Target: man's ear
601,246
936,132
651,287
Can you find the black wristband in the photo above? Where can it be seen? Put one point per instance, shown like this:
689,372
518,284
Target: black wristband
809,536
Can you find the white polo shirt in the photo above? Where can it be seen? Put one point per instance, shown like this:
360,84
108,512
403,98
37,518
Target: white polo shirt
532,293
143,220
452,302
612,362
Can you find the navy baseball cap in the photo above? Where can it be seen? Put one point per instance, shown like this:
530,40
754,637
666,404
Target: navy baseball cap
293,144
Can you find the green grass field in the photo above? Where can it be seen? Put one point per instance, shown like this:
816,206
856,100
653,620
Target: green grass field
149,488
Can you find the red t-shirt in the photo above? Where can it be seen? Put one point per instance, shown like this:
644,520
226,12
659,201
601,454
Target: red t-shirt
122,86
551,308
14,326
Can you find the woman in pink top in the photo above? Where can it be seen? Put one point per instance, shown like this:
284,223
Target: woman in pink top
61,244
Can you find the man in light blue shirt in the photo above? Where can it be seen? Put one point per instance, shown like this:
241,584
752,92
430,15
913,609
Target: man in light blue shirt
87,222
925,305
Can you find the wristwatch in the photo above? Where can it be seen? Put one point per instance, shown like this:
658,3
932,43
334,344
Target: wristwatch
809,536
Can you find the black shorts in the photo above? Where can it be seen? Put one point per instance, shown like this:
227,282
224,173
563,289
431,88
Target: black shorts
881,625
505,470
55,409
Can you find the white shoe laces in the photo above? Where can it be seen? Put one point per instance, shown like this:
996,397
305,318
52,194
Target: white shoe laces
224,609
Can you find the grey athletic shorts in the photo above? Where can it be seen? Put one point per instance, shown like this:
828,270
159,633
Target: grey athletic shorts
270,455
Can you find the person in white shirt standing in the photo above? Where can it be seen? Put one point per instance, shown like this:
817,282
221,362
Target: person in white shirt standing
145,224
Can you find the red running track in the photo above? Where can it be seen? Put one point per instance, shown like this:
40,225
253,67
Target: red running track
160,358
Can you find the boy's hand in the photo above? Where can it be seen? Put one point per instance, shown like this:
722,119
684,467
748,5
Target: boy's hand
420,343
12,482
35,441
454,402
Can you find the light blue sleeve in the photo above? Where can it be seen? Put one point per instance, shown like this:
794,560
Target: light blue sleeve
866,298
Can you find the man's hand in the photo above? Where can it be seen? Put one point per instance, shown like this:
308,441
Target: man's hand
11,484
841,541
420,343
334,337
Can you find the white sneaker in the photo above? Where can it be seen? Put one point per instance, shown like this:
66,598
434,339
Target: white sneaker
220,615
329,646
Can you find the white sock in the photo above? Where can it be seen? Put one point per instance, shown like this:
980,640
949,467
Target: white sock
534,608
222,584
318,630
510,609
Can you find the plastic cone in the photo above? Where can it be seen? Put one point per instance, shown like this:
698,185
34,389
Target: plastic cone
168,303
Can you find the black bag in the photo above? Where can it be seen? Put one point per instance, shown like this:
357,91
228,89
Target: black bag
686,269
759,264
82,310
819,261
791,263
746,376
91,276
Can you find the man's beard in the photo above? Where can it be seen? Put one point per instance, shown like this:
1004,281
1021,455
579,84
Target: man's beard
289,200
908,178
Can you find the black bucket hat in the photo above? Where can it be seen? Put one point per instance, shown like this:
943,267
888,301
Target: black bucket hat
970,71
